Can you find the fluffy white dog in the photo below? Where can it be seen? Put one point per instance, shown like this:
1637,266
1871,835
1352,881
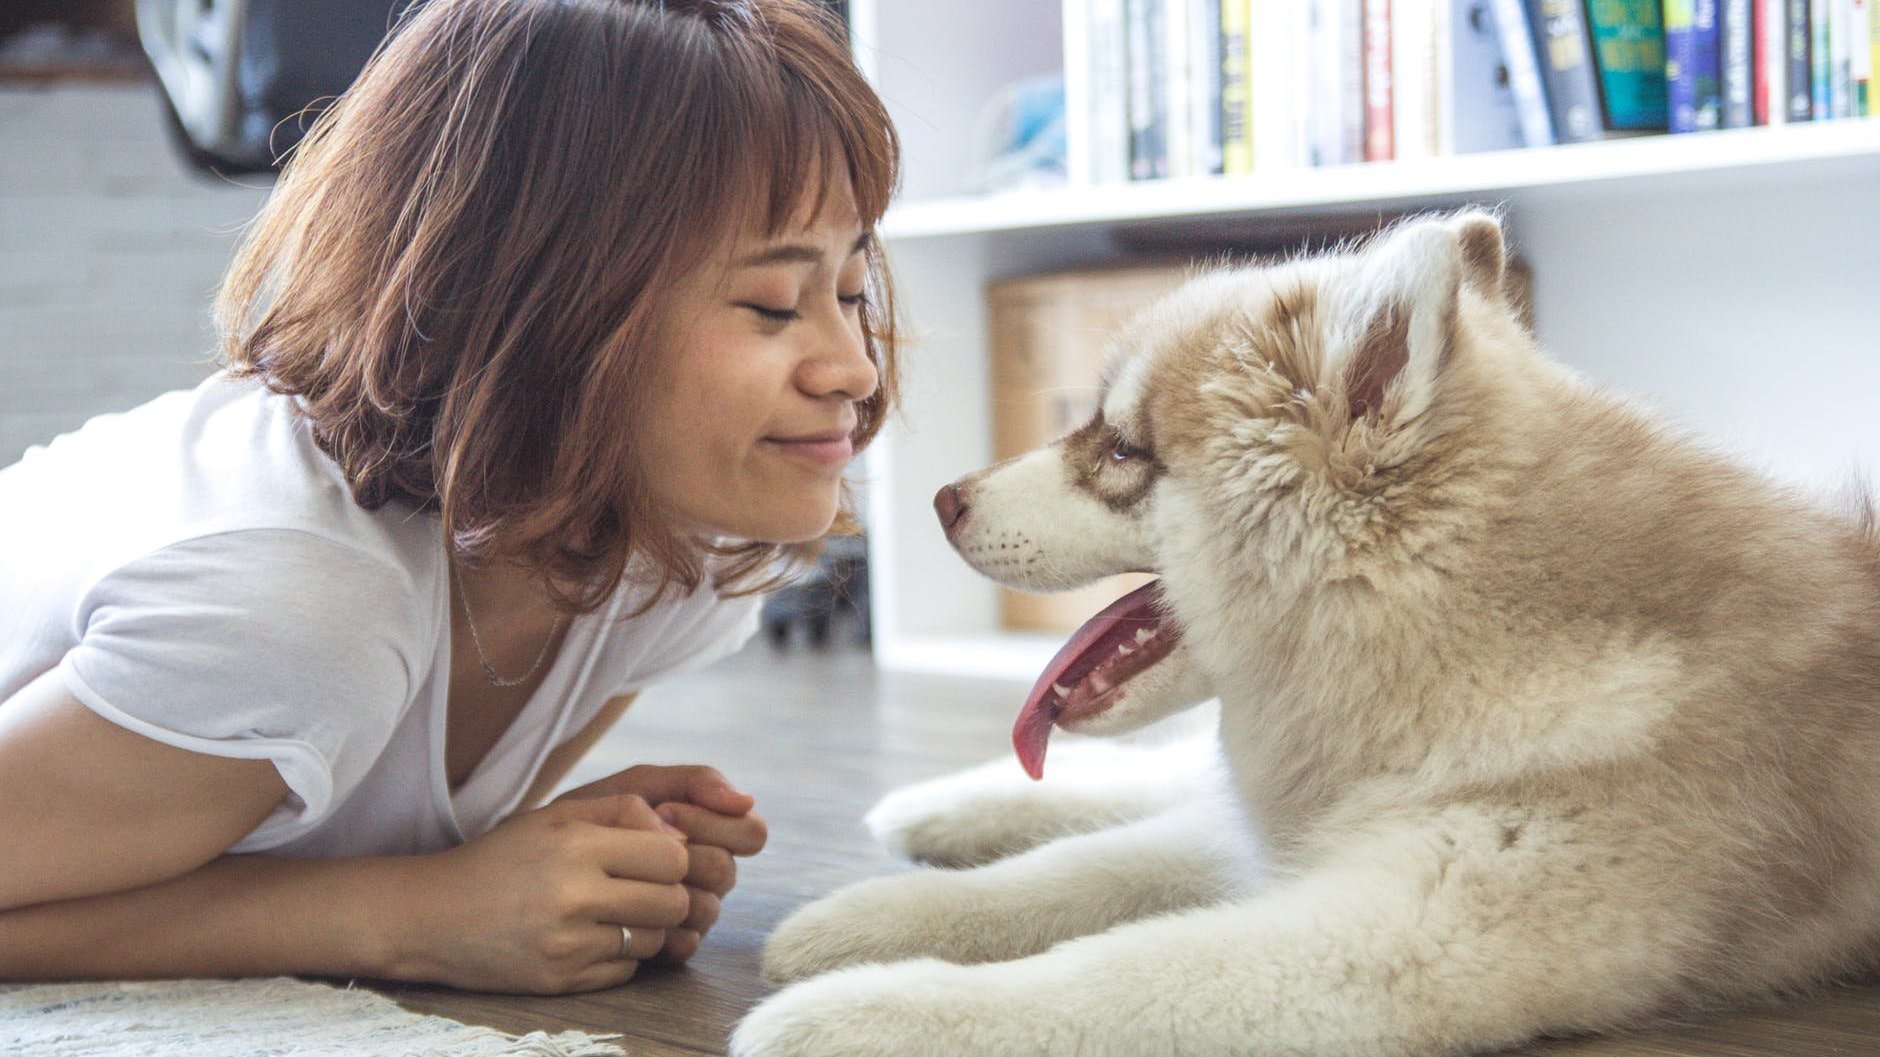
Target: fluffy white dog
1534,717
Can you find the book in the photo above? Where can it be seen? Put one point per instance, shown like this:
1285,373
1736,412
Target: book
1412,78
1820,59
1734,37
1336,109
1707,45
1524,74
1281,85
1767,62
1840,57
1476,108
1378,94
1204,86
1629,54
1148,106
1691,65
1860,92
1798,61
1236,89
1351,76
1173,37
1105,73
1565,55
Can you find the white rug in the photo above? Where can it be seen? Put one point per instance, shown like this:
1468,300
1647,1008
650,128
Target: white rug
280,1017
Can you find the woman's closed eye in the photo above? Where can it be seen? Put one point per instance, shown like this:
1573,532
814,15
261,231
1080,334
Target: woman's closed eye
787,315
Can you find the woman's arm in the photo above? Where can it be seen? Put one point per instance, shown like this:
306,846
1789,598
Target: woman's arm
88,807
115,866
240,915
534,906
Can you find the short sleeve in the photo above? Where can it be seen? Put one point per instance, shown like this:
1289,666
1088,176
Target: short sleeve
269,644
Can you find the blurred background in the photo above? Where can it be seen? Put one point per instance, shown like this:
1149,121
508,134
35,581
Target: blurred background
1691,187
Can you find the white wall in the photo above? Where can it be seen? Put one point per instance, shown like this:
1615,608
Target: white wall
1746,304
109,251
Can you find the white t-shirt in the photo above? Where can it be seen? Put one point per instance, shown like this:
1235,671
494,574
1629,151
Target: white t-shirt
198,572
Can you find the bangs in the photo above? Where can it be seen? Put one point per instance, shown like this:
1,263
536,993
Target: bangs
806,114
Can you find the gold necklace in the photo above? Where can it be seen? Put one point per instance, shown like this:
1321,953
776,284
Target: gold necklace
489,671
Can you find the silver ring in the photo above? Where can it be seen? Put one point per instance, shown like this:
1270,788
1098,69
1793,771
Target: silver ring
626,942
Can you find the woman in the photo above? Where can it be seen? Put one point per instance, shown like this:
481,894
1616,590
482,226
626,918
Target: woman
552,343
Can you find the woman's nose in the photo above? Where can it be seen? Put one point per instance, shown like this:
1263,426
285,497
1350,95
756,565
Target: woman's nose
842,367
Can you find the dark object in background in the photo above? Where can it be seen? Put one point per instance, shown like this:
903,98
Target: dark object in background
237,77
833,594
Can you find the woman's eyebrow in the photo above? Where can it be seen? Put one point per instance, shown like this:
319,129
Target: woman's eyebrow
799,252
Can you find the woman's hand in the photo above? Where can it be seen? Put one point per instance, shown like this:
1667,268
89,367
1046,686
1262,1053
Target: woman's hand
535,905
718,823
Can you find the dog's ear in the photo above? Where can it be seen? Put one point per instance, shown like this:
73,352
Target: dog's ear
1484,251
1400,316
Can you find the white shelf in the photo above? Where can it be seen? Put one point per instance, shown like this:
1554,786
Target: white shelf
1386,182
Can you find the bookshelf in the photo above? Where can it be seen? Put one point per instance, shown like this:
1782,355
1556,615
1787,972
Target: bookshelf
1731,278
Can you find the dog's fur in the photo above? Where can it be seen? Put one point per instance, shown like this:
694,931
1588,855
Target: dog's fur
1534,716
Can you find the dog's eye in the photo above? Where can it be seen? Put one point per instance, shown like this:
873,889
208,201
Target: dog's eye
1121,451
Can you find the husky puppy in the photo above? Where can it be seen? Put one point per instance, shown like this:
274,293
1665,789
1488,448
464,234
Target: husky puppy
1534,717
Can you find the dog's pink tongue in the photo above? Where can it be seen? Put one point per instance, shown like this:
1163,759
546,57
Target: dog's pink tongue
1031,735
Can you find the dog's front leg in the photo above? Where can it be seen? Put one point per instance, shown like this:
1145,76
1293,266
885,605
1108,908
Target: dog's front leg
1452,940
1187,857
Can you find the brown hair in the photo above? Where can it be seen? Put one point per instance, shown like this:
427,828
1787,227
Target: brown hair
460,271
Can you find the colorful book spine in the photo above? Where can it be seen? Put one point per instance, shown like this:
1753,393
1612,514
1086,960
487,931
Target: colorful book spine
1692,65
1760,36
1524,72
1820,59
1735,49
1378,92
1861,76
1148,107
1629,52
1798,61
1566,62
1236,89
1873,57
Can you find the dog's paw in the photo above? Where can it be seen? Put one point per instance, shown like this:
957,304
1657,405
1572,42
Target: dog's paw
884,919
909,1009
966,819
846,1014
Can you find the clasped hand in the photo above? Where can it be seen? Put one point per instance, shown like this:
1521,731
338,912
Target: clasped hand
536,904
716,823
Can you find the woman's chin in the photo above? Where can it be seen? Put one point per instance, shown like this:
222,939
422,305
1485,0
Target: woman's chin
784,526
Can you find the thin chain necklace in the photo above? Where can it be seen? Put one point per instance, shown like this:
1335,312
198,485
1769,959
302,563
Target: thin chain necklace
489,672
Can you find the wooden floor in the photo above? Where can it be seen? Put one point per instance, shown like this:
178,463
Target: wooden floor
816,738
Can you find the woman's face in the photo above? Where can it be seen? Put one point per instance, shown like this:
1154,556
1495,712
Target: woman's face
749,426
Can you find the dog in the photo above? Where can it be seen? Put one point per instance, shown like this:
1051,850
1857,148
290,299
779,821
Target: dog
1535,716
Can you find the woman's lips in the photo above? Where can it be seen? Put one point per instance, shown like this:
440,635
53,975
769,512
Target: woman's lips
823,449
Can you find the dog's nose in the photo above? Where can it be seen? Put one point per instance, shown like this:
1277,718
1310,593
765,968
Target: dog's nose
948,504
